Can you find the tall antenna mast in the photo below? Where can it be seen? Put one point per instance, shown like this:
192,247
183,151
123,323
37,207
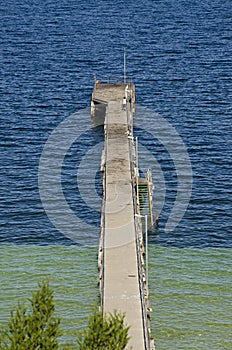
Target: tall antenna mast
124,65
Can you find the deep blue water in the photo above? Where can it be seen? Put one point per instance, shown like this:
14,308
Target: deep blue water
179,55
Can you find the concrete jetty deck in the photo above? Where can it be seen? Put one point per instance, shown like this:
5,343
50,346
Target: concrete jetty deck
121,263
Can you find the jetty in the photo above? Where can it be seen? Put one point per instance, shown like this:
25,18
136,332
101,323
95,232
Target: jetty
126,213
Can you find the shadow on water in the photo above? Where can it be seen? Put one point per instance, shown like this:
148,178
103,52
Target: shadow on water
182,237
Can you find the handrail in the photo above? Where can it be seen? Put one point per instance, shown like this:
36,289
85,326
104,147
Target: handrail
141,285
138,249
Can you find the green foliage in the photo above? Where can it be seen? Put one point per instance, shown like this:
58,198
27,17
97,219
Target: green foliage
36,329
104,332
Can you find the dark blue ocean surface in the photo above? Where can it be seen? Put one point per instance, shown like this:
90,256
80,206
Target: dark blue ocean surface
179,55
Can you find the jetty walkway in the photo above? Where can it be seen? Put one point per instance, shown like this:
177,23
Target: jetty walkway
123,285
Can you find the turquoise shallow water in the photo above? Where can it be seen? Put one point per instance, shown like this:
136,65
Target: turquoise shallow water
73,276
190,290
